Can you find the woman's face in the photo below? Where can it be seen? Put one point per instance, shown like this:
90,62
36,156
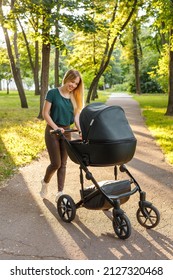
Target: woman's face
73,84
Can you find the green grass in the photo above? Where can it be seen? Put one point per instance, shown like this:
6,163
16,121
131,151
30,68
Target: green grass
21,133
161,126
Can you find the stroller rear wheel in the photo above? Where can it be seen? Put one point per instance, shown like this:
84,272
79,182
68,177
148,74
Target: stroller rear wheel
66,208
121,225
148,216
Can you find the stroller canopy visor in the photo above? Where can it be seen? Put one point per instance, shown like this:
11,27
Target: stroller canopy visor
103,123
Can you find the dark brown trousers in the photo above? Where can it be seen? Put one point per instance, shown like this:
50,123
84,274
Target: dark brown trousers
58,157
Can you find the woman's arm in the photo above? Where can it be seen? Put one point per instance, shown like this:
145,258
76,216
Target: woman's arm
76,120
46,115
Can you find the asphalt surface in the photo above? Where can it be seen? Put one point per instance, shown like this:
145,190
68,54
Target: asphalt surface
31,228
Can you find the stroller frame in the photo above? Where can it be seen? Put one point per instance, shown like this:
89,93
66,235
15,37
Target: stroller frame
147,215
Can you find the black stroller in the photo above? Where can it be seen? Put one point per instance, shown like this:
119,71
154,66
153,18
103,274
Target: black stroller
107,140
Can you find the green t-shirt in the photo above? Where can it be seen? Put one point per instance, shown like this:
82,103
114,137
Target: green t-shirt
61,111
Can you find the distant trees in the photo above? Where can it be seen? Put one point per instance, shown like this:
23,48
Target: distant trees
163,20
38,24
99,45
5,71
13,52
108,41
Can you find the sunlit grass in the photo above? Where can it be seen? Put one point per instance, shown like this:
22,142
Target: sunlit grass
21,133
161,126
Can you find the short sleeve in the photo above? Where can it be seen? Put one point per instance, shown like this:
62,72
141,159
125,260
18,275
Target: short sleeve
49,96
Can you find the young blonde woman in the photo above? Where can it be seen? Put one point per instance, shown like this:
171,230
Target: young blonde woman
61,108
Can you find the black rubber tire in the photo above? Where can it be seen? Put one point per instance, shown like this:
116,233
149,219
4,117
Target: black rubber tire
66,208
122,226
148,217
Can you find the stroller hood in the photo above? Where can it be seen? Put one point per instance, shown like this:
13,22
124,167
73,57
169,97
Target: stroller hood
102,123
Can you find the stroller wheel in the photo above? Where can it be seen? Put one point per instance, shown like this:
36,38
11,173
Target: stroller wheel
122,226
66,208
148,216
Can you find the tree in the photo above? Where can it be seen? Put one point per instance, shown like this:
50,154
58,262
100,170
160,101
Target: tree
45,62
169,111
114,29
15,67
34,63
5,70
164,20
91,52
136,57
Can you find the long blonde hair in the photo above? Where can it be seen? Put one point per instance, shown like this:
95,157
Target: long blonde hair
77,98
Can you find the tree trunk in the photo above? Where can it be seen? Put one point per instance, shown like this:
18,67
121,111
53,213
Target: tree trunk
57,83
15,71
45,59
44,75
34,66
36,69
8,86
136,60
169,111
57,52
95,93
92,87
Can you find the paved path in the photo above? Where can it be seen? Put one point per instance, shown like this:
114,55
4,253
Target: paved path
32,229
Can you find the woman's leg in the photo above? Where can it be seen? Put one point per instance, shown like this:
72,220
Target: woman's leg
61,172
53,148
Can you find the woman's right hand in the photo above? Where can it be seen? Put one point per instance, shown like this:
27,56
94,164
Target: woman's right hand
59,128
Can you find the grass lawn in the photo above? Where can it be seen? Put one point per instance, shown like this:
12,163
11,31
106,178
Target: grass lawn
21,133
161,126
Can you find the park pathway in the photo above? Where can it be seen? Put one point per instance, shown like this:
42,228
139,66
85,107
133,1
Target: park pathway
32,229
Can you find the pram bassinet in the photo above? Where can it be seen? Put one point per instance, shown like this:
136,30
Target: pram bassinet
107,137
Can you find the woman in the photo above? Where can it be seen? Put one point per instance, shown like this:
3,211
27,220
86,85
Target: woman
61,108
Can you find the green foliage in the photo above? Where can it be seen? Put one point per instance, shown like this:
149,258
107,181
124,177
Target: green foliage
84,27
148,56
5,70
148,84
121,87
160,72
153,109
90,52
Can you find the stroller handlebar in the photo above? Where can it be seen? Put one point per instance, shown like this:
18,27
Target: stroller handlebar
58,131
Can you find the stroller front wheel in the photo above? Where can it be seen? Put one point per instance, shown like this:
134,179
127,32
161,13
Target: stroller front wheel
148,216
66,208
122,226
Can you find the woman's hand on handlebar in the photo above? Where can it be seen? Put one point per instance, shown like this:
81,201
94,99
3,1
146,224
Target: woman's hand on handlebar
61,130
58,130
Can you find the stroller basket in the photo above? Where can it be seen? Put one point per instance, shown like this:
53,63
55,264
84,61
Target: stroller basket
95,200
107,137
